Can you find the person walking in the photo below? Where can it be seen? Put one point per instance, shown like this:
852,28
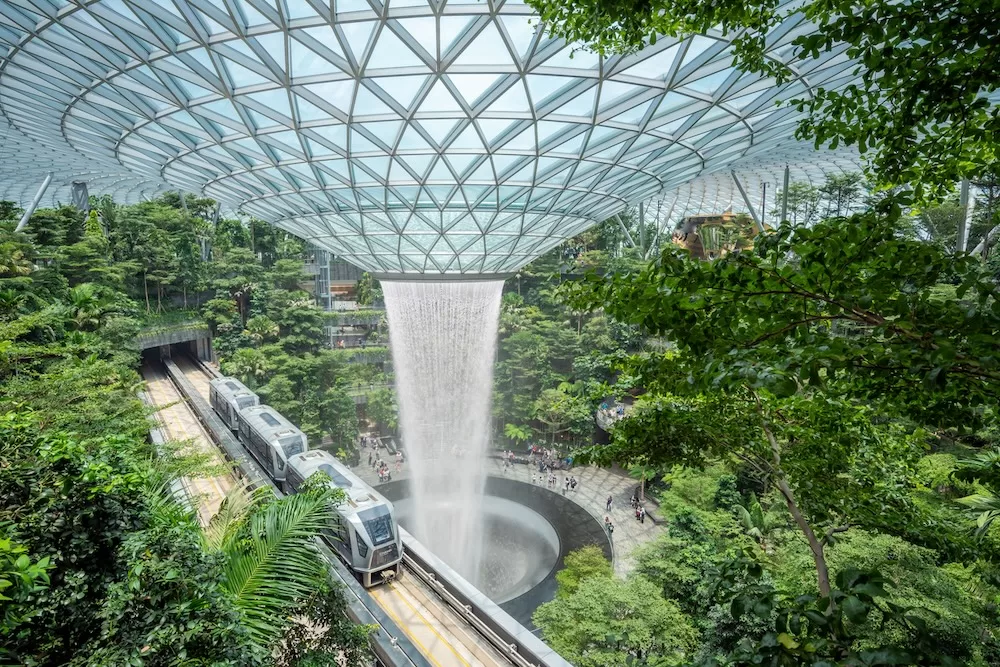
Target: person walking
642,514
608,526
369,459
609,503
572,483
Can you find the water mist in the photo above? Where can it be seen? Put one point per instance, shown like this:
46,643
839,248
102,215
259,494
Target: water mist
444,336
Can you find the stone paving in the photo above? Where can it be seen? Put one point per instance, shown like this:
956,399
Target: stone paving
594,485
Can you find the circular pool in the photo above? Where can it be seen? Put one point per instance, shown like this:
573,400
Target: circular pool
528,529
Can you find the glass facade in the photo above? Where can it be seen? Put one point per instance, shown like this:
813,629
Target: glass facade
406,137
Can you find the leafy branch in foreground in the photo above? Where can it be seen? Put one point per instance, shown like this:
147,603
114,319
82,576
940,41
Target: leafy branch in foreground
919,94
849,306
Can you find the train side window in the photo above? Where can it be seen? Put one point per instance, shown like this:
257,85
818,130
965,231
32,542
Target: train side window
362,547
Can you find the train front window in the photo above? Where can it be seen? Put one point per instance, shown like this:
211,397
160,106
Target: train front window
244,402
378,522
291,445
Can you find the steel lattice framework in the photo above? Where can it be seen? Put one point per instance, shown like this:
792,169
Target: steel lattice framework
414,136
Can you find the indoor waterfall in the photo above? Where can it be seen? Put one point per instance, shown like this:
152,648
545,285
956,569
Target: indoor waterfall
444,336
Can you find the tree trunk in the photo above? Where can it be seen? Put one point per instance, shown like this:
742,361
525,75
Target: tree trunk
815,545
145,289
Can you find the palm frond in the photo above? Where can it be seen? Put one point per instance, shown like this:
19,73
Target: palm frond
987,506
274,561
235,508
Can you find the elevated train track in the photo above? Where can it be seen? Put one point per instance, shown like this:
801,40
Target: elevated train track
427,617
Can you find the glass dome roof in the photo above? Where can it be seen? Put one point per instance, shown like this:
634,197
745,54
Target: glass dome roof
407,137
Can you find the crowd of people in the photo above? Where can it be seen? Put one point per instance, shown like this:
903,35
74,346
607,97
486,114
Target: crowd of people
377,463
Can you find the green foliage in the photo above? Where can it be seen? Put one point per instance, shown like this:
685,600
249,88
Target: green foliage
20,578
608,622
941,125
580,565
759,320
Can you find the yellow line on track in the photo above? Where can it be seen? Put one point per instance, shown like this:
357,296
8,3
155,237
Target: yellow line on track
427,624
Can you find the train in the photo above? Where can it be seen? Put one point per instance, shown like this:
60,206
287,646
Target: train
365,533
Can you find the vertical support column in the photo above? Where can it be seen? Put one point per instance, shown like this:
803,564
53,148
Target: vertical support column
968,203
763,205
642,229
34,203
746,200
784,197
80,196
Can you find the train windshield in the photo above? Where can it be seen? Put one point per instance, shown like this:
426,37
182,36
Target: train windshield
244,401
291,445
378,522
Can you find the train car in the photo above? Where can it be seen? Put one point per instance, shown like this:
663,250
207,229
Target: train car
228,396
366,533
271,439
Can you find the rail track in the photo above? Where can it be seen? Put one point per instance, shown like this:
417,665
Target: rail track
443,636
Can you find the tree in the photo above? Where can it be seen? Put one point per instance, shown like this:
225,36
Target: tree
856,311
940,126
261,329
608,622
563,412
580,565
338,415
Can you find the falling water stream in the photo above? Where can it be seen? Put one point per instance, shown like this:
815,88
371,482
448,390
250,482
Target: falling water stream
444,336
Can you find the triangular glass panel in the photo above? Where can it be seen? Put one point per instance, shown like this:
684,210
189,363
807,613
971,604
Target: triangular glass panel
542,87
438,129
452,27
492,129
390,51
613,92
576,59
483,173
422,29
468,138
440,172
656,66
326,37
502,163
697,46
634,115
274,45
308,111
412,140
361,144
707,84
250,14
461,162
488,48
243,77
306,62
378,165
260,121
439,99
337,94
276,100
472,86
403,89
367,104
333,134
521,31
514,100
571,146
581,105
523,141
358,34
386,130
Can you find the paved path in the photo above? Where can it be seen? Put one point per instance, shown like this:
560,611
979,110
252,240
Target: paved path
594,485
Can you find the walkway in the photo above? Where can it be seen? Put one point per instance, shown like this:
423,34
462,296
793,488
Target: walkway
594,485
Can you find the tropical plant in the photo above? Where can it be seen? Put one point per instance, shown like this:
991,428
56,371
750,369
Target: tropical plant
271,559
